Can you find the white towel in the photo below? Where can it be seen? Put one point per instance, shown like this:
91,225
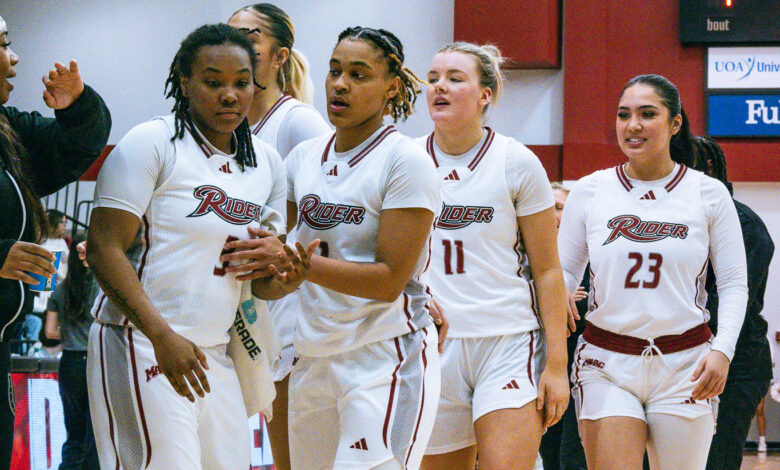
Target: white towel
254,341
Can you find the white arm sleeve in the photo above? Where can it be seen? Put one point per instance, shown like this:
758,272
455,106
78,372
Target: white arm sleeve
301,123
527,181
727,255
135,168
572,238
412,180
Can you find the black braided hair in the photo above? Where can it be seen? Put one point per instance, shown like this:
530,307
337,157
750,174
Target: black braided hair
208,35
681,146
402,104
710,159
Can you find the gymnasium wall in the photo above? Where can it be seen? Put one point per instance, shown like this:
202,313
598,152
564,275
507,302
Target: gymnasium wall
125,48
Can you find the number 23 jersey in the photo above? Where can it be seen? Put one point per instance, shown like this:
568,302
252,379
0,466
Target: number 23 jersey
648,243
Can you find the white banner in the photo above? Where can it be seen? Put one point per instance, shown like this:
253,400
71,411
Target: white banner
743,67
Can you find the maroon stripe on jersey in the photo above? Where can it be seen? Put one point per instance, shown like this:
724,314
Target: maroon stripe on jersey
430,241
592,295
105,397
282,99
201,145
392,391
327,149
483,150
100,305
621,174
432,152
530,358
699,283
422,398
143,257
378,140
131,347
677,178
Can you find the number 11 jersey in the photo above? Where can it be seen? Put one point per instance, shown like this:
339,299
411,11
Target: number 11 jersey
479,269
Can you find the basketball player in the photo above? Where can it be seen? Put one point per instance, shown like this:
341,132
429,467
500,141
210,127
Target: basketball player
281,115
647,367
494,234
163,392
364,392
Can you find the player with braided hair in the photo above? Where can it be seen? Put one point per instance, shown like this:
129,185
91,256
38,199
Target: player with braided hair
189,182
364,391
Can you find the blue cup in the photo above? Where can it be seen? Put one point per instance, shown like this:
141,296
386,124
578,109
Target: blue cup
45,284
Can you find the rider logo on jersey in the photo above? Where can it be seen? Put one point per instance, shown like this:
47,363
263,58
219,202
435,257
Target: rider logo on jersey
234,211
642,231
325,215
455,217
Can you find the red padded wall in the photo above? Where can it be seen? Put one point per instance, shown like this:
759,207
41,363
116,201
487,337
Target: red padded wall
607,43
528,32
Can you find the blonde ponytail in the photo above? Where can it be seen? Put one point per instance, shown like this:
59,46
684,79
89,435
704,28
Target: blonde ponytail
294,77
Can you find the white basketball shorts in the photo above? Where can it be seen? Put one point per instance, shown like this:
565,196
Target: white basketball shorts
607,383
480,375
365,407
140,422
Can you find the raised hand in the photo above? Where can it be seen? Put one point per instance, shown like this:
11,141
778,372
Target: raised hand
63,85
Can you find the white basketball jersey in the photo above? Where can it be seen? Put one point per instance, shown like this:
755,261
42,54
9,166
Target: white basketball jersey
268,127
479,269
648,248
186,224
340,198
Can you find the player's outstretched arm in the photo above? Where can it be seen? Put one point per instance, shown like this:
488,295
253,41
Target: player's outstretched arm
539,238
111,231
402,235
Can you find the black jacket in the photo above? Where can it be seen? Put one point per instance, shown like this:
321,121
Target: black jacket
60,151
752,359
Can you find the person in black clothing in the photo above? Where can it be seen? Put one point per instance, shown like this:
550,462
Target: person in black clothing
38,156
751,368
68,318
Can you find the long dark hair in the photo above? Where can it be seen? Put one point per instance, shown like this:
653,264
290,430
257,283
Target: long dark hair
681,145
78,284
14,158
208,35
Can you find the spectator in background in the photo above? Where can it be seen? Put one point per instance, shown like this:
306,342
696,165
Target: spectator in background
751,367
38,156
57,241
69,319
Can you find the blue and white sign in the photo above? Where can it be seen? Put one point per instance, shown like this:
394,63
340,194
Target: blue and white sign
743,67
743,115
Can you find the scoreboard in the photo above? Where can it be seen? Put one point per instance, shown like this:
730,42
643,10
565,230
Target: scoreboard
729,21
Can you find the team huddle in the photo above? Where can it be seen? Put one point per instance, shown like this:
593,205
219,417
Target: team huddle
418,286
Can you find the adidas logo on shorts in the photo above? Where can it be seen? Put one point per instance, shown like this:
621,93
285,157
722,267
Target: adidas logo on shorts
360,445
512,385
